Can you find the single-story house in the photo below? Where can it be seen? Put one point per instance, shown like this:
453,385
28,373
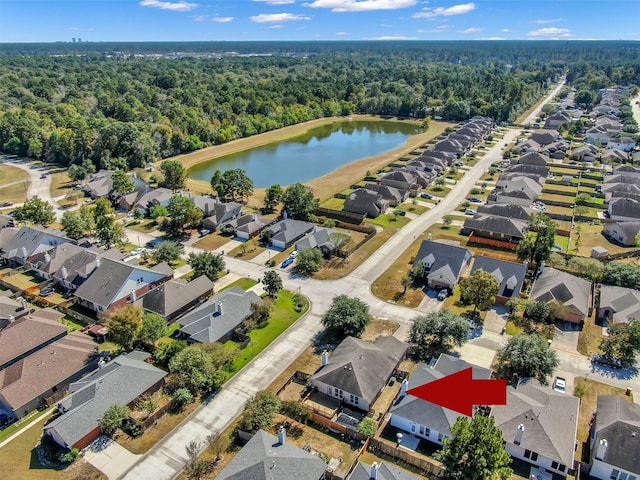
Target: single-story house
621,178
248,225
357,371
523,168
510,275
626,170
618,304
539,426
380,471
556,119
615,190
403,180
626,144
113,284
424,419
562,287
526,146
10,311
584,153
622,232
266,457
493,226
153,197
100,184
514,197
323,238
544,137
531,158
624,209
366,202
286,232
614,156
222,212
75,270
615,449
443,262
506,210
176,296
393,195
216,319
599,134
122,381
30,241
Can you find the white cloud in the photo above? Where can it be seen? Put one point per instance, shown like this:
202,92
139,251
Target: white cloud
277,17
543,22
342,33
275,26
360,5
276,2
460,9
385,25
222,19
392,37
550,32
469,31
505,30
180,6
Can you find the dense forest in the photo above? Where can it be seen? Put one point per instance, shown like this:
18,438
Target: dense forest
123,105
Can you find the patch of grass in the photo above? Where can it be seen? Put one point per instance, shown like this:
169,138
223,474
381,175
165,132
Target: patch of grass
333,203
213,241
24,422
112,347
559,210
591,236
567,199
589,337
13,193
562,188
562,241
72,323
454,303
416,209
438,190
513,329
248,250
61,184
245,283
23,280
389,221
379,327
145,225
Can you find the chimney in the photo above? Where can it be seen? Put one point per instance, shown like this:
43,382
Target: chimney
374,471
133,295
11,319
519,434
602,449
315,229
404,387
64,273
47,257
219,308
325,358
23,302
97,262
255,217
23,252
282,436
430,237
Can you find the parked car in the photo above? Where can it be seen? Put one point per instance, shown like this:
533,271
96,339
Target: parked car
475,200
138,251
288,261
426,195
293,254
469,211
46,291
6,204
458,164
402,213
155,242
560,385
443,294
607,360
44,175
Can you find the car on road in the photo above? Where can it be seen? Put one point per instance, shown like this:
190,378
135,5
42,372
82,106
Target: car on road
44,175
6,204
443,294
469,211
560,385
155,242
426,195
288,261
607,360
475,200
402,213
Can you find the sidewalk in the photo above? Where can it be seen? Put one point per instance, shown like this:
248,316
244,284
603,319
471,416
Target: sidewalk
22,430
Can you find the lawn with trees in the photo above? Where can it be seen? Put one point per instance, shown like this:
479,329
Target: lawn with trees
526,356
347,316
438,332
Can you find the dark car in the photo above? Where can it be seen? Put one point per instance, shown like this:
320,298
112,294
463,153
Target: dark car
402,213
475,200
426,195
607,360
6,204
287,262
45,292
154,243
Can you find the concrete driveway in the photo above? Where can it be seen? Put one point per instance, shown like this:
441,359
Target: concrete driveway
109,457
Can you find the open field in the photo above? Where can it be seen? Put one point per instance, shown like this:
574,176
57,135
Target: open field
14,184
213,241
61,183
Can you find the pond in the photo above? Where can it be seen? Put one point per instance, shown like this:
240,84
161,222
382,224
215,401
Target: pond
313,154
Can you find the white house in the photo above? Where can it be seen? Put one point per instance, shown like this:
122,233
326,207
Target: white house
626,144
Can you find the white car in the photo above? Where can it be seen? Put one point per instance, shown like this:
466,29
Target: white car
560,385
293,254
138,251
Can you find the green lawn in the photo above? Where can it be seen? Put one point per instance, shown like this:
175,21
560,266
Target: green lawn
562,188
438,190
245,283
72,323
562,242
389,221
22,423
144,226
282,317
333,204
568,199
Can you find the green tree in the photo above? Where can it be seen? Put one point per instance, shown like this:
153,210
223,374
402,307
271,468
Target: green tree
272,283
368,427
206,263
175,175
308,261
124,325
295,410
347,315
480,289
108,232
121,182
154,327
74,225
588,267
438,332
36,211
183,397
195,370
147,404
183,214
259,412
476,451
113,418
621,275
272,197
538,244
299,203
78,173
526,356
158,211
542,313
232,185
623,341
167,252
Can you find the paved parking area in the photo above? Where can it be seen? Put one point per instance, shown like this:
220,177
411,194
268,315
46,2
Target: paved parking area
109,457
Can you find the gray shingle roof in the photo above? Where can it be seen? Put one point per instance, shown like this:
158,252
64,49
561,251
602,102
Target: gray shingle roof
32,240
624,302
264,458
624,207
448,260
550,420
506,210
426,413
562,287
288,230
618,422
524,168
362,471
387,192
544,137
510,275
362,368
320,237
120,381
511,227
533,158
365,201
173,295
206,324
155,196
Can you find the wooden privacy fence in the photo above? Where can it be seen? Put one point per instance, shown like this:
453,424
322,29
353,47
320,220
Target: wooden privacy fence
431,468
492,242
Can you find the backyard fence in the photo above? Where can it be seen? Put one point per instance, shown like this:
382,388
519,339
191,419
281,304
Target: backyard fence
492,242
341,215
430,467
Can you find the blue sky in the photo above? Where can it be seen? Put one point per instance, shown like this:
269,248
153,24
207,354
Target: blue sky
193,20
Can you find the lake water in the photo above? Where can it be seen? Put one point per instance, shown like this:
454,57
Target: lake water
313,154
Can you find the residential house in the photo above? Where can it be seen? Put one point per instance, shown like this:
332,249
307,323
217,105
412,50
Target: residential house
357,371
126,201
366,202
443,262
388,193
621,178
614,156
584,153
266,457
492,226
75,269
616,190
618,304
510,276
404,181
506,179
465,140
38,360
526,146
6,221
573,292
424,419
176,296
600,135
615,447
626,144
222,212
381,471
557,119
506,210
450,146
100,184
518,197
286,232
624,209
206,203
248,225
544,137
30,241
152,198
539,426
448,157
623,233
6,235
526,169
323,238
11,310
556,150
216,319
122,381
114,284
626,170
434,166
